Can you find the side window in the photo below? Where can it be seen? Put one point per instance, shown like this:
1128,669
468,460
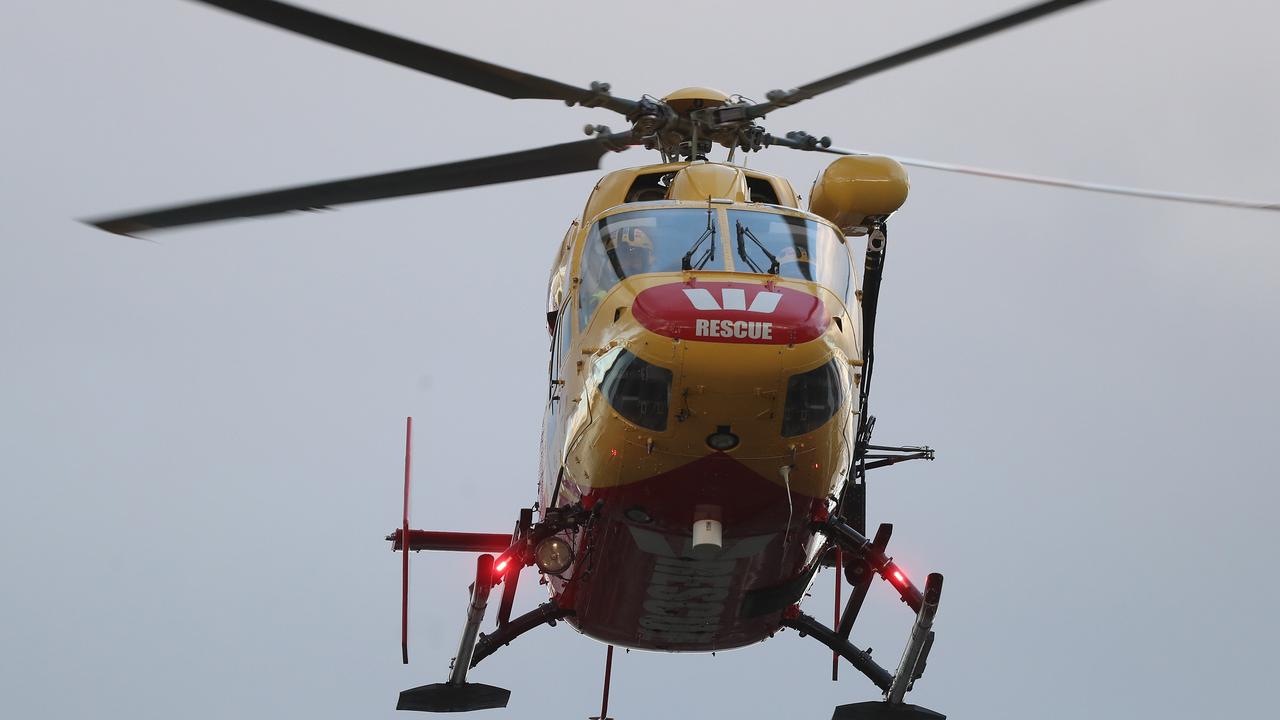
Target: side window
762,190
558,282
560,341
851,292
564,335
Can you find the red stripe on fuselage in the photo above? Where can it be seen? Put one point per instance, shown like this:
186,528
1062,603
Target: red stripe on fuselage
638,583
731,312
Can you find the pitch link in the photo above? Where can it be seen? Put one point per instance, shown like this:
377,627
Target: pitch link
598,96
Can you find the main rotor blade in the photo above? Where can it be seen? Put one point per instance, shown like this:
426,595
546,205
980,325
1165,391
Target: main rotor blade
1051,181
411,54
524,165
780,99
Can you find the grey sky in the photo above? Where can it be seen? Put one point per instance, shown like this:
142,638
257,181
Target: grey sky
200,439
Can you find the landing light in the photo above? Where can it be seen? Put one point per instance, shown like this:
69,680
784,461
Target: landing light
553,555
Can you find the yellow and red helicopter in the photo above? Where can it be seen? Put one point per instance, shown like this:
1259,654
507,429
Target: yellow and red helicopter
707,433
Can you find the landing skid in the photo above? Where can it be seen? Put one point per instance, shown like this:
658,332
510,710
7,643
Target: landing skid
516,552
456,694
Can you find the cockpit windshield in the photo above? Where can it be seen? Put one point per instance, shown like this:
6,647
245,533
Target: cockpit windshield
791,247
671,239
645,241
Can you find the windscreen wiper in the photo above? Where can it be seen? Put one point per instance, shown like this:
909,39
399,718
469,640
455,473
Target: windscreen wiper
687,262
743,234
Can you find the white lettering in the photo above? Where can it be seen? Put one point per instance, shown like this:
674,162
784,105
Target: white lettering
675,594
744,329
653,621
668,636
679,576
691,610
702,568
684,599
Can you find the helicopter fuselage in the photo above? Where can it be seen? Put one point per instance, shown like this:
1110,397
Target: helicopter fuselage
705,416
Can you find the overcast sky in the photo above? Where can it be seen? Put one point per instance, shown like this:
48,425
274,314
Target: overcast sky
201,438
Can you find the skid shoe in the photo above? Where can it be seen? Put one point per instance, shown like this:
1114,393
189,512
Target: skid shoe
456,694
884,711
448,697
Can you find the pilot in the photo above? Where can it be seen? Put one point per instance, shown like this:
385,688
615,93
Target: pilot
630,252
634,251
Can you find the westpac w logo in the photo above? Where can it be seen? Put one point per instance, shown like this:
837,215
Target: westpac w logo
733,299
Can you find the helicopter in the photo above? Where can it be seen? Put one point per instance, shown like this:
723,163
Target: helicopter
732,319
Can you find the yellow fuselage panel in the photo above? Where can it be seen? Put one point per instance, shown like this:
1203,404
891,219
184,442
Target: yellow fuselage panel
739,385
626,185
856,189
703,181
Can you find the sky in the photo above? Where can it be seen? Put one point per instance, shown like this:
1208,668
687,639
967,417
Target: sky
201,437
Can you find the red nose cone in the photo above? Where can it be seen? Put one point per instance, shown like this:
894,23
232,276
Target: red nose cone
731,312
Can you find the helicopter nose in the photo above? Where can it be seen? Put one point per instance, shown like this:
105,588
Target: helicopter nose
731,312
747,359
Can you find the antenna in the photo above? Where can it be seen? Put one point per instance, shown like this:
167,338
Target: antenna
404,544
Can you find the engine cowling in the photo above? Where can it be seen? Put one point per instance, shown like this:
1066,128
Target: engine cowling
857,189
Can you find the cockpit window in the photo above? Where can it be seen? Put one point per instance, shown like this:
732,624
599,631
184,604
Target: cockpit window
792,247
644,241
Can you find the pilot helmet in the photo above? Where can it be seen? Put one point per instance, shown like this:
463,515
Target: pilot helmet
634,250
633,239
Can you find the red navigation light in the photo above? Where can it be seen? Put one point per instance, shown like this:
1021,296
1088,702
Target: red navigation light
501,565
899,577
